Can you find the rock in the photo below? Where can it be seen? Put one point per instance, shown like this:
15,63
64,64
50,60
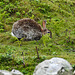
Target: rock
74,73
13,72
16,72
4,72
54,66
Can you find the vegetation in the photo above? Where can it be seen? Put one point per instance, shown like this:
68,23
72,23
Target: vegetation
25,55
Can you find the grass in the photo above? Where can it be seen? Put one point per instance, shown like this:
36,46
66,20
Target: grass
22,55
28,50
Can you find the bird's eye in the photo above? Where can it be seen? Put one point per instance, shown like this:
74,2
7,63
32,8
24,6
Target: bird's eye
48,32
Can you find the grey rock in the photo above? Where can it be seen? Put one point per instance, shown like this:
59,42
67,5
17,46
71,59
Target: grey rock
4,72
16,72
13,72
54,66
74,73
